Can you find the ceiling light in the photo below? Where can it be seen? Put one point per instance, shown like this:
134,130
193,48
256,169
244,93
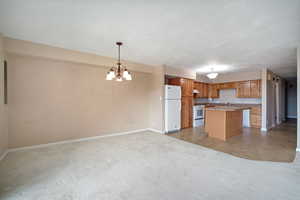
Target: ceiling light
204,69
119,72
212,75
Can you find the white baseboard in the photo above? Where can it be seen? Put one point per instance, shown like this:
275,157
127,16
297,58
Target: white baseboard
3,155
155,130
75,140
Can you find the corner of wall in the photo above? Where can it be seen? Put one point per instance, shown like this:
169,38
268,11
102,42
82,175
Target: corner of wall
264,77
3,107
156,97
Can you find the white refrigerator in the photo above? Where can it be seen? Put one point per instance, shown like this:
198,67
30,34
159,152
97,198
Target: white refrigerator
172,108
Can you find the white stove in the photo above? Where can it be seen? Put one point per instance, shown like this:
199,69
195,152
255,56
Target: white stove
198,115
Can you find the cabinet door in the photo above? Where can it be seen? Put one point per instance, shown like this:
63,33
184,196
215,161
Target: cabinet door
190,87
243,89
255,88
196,87
230,85
186,112
187,87
202,88
214,90
191,104
205,90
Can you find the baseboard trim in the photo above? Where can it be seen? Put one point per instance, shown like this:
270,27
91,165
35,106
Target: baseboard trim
155,130
75,140
3,155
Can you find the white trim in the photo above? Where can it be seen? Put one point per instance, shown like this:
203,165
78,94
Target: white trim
298,149
155,130
75,140
3,155
292,116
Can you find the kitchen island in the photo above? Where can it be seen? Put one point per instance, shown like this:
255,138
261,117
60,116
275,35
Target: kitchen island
223,122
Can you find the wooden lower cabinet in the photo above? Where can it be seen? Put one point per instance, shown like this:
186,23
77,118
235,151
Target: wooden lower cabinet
186,112
255,117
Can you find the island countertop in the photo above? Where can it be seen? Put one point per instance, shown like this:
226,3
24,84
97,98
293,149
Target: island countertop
223,122
228,108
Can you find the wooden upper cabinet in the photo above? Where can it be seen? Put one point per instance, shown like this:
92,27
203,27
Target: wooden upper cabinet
249,89
255,90
202,88
243,89
198,86
187,85
214,90
205,90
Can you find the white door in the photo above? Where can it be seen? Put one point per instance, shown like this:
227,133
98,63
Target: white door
173,115
172,92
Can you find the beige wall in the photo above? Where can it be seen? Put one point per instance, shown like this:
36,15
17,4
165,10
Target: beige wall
39,50
54,100
156,112
3,107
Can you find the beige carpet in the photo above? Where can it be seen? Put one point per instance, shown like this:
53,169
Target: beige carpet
142,166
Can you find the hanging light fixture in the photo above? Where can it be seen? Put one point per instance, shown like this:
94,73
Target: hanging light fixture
212,75
120,72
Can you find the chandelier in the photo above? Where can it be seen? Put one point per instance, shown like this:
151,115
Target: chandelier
120,72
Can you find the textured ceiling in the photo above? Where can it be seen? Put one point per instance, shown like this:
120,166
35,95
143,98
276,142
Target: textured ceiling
243,34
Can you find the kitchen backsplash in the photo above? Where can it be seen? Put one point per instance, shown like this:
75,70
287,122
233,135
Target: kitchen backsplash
229,96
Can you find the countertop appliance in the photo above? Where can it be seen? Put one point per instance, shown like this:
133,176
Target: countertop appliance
198,115
172,108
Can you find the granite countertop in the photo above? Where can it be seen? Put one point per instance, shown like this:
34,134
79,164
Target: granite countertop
228,108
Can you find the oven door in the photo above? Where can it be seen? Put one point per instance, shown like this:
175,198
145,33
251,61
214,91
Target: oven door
198,112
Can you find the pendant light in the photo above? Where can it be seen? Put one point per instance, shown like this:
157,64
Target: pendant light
120,72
